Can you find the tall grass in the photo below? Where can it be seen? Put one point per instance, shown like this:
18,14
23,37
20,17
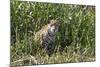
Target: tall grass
75,40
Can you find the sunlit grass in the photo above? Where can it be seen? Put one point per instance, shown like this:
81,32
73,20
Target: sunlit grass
75,41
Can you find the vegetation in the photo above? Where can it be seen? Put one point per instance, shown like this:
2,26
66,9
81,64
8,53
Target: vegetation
75,40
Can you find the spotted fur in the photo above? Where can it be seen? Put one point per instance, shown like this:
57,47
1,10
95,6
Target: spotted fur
46,36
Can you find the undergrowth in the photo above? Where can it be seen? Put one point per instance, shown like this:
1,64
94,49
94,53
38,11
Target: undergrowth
75,41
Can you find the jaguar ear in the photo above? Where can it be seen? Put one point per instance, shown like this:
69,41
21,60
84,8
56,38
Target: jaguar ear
49,21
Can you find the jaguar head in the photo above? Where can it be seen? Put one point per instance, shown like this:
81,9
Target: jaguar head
53,26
